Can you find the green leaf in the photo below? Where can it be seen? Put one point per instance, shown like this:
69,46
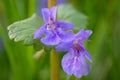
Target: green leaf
68,13
25,29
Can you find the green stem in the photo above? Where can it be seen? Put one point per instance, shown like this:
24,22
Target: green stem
55,65
54,57
51,3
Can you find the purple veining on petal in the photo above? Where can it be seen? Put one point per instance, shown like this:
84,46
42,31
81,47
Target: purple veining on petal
67,61
77,49
81,67
74,62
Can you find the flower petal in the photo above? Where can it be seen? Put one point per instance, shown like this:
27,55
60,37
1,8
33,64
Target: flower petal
40,31
88,56
64,46
46,14
53,11
65,36
76,65
84,34
50,39
80,67
65,25
85,52
67,61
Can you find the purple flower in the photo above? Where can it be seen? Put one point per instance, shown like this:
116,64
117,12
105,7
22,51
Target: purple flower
74,62
56,31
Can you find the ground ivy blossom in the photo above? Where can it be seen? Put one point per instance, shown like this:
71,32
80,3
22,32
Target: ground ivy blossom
74,62
56,31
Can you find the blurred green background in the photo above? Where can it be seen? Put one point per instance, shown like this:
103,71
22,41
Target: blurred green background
16,60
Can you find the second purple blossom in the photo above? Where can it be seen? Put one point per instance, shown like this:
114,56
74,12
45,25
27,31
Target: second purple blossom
74,62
